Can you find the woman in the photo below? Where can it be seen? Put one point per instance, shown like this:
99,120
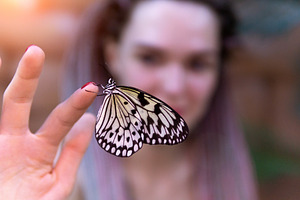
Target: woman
174,50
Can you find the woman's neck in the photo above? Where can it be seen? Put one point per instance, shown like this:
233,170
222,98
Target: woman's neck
164,155
164,167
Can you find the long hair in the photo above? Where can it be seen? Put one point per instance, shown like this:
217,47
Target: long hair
225,170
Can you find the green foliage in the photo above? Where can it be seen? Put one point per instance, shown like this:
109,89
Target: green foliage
270,160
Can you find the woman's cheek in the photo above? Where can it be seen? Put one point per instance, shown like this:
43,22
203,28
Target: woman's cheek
200,98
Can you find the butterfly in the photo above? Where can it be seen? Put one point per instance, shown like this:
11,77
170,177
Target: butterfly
129,118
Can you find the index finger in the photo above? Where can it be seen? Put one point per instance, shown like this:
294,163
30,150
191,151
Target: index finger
18,96
64,116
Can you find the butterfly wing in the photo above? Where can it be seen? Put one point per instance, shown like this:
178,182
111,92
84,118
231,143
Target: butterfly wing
130,117
117,130
159,122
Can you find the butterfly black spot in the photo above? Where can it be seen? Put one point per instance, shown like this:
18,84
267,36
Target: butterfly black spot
119,138
133,133
125,102
117,130
111,134
109,128
133,111
156,109
150,120
128,139
142,99
136,123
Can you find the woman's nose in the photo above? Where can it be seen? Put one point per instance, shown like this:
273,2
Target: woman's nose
173,82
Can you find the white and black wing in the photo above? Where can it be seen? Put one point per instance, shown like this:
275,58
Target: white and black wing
130,117
160,123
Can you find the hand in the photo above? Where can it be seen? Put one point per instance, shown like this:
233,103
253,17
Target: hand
27,168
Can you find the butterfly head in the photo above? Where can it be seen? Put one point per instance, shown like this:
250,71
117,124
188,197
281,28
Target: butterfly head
111,85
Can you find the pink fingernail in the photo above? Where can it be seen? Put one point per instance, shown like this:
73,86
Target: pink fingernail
29,47
88,83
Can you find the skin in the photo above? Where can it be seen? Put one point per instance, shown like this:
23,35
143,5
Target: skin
165,53
27,169
155,55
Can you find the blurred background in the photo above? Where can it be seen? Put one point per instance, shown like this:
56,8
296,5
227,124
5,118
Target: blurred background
264,69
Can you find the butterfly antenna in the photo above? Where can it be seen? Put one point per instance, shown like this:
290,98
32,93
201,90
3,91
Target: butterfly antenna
95,92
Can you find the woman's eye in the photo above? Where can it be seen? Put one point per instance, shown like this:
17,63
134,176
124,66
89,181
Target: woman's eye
197,65
149,59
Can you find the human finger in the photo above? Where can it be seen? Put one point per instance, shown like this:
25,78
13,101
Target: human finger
73,150
64,116
18,96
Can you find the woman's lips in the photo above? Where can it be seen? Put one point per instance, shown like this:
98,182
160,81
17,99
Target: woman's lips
180,111
179,107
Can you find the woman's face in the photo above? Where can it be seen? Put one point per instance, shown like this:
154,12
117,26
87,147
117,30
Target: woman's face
171,50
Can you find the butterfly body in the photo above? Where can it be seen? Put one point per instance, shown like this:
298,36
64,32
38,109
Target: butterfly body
130,118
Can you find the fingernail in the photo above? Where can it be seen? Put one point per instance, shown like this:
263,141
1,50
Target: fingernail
29,47
88,83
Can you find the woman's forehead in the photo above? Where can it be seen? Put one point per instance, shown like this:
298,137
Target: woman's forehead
172,23
173,11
